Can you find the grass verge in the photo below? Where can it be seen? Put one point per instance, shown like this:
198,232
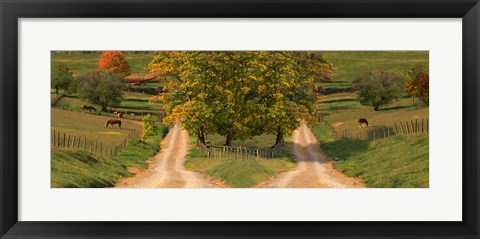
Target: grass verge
80,169
239,173
395,162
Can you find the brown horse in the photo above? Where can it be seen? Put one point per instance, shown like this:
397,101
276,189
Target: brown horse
362,122
120,115
87,107
114,121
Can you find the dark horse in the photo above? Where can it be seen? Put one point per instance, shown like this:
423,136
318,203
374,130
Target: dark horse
87,107
362,122
114,121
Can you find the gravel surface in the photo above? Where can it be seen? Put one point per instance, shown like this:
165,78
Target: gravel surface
313,169
166,169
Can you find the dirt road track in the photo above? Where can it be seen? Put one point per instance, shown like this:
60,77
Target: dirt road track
167,169
313,170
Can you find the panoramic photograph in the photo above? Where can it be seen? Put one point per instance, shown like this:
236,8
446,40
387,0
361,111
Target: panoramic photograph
239,119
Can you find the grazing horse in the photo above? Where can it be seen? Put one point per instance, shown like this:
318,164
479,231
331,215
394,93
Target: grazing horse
87,107
114,121
362,122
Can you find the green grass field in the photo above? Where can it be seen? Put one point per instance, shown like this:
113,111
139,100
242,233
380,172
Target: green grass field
80,169
239,173
350,64
133,105
85,62
395,162
340,110
92,126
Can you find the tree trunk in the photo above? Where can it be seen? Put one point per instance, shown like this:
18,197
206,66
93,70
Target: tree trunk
201,136
376,107
228,142
56,90
104,108
279,138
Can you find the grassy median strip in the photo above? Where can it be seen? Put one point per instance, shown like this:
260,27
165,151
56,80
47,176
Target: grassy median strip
239,173
73,168
395,162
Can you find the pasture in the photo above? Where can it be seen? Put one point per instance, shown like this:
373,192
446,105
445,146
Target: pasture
341,109
92,126
395,162
134,105
73,168
84,62
350,64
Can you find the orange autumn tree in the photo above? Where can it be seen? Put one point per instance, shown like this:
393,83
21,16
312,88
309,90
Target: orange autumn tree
114,61
417,82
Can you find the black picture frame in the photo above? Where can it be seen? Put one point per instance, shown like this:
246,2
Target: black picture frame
11,11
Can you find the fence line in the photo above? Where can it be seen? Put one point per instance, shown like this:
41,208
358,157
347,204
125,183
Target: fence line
240,152
400,128
63,140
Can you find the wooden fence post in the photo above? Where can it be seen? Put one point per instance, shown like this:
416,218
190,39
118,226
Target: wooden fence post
416,125
64,138
422,125
68,141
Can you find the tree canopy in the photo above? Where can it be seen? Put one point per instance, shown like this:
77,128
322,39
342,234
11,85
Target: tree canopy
417,82
114,61
61,77
104,88
239,94
379,88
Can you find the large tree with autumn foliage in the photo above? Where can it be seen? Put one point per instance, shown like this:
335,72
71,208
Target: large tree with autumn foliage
114,61
238,94
417,82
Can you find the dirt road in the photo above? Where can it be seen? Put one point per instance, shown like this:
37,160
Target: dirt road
313,170
166,170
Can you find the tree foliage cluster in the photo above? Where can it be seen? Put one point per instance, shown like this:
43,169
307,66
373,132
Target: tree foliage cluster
149,126
377,88
103,86
239,94
61,77
114,61
417,82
